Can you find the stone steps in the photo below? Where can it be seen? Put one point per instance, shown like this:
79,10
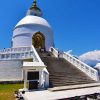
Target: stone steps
68,77
55,83
62,72
69,82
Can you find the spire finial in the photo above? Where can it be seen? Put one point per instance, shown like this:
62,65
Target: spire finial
34,9
34,3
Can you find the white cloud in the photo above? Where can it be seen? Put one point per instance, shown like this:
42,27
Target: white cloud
69,51
98,66
91,58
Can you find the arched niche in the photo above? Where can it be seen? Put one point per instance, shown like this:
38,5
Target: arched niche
38,40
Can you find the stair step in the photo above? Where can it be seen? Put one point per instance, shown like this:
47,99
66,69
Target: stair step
61,72
69,77
71,80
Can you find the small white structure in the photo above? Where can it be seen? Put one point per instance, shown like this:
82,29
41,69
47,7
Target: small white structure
34,72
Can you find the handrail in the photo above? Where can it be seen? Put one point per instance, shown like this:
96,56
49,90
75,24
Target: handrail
36,54
19,49
54,51
91,72
18,53
82,66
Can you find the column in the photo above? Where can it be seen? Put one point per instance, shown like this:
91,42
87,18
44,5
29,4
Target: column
41,79
25,80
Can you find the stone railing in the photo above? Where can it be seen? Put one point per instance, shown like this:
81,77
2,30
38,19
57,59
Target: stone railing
36,54
91,72
16,50
54,51
18,53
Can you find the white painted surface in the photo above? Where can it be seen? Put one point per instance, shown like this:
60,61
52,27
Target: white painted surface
54,51
46,78
74,86
19,53
11,62
27,27
10,70
37,56
33,65
91,72
33,20
48,95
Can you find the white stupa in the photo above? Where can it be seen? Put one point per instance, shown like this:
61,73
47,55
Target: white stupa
33,25
34,60
31,31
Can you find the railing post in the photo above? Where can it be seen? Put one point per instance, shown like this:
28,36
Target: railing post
55,52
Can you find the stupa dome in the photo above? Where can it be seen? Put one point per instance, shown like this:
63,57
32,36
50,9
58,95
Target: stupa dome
28,27
33,20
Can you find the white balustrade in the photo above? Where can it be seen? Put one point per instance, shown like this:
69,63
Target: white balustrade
16,50
91,72
18,53
54,51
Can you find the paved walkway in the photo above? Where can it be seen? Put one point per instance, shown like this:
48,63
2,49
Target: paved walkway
49,95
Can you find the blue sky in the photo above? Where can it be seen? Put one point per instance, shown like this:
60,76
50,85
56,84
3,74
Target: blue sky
76,23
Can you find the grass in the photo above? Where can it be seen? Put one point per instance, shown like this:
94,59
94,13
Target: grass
7,91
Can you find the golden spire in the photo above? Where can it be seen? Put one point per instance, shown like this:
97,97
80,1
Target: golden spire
34,9
34,3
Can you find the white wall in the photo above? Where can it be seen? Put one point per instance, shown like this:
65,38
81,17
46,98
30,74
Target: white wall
11,70
22,35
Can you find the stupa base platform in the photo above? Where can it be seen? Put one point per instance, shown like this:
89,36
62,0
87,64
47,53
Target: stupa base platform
84,91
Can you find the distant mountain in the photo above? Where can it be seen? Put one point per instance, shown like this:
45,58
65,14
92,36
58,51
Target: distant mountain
91,58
